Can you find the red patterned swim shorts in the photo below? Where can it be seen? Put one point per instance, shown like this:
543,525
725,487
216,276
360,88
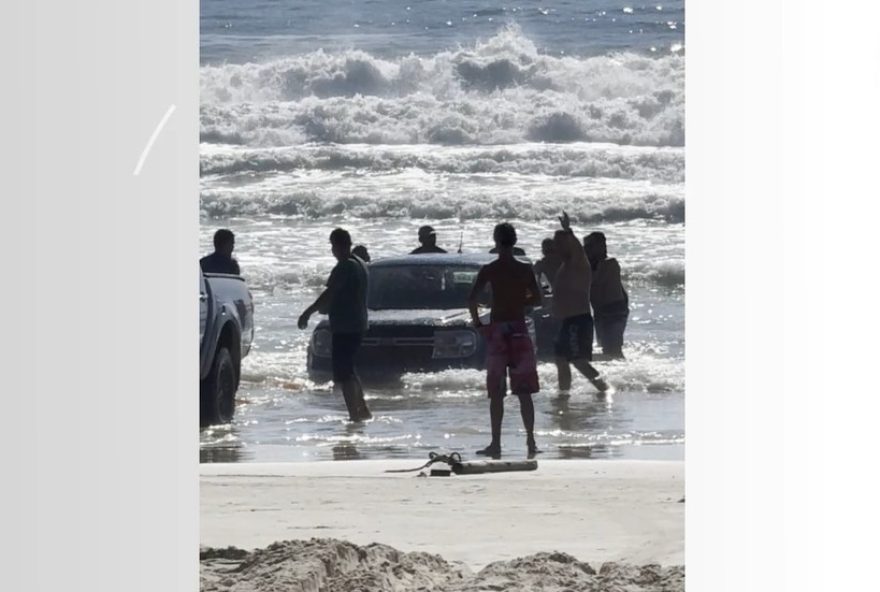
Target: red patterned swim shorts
509,349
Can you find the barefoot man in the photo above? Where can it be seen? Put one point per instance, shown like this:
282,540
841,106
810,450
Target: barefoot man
345,302
508,345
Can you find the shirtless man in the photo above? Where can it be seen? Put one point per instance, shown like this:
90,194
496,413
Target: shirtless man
571,304
508,345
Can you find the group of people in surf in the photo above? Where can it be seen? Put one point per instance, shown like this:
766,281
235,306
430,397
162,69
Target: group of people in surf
587,294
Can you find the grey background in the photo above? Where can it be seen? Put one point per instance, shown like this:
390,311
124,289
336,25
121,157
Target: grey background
98,410
99,416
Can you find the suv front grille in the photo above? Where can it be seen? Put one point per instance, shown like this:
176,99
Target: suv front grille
371,341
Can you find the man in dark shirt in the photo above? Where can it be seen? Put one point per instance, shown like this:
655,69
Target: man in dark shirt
509,348
428,240
345,302
221,261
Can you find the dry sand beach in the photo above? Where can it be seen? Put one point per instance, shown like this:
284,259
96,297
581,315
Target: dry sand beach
570,525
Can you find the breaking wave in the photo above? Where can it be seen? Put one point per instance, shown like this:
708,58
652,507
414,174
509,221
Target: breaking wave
308,204
497,91
571,160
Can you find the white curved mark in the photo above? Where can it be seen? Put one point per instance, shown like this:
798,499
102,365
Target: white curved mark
140,164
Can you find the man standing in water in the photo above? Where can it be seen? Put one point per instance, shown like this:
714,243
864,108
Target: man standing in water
221,261
607,296
549,264
571,304
428,241
345,302
508,345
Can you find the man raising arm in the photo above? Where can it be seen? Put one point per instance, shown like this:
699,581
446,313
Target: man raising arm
571,304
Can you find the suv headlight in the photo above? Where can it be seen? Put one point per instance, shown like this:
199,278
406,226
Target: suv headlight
321,343
454,344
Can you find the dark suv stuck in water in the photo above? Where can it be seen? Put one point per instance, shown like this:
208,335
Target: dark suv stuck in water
418,319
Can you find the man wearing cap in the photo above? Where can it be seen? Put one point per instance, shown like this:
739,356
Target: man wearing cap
428,240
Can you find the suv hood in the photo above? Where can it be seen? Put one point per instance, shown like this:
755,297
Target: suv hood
429,317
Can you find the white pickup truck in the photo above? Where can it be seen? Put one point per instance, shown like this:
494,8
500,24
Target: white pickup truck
226,331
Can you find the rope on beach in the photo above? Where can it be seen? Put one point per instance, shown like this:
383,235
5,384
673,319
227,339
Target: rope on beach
450,459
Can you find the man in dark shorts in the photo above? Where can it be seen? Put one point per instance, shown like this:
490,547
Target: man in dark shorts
221,261
345,302
571,304
428,241
509,348
608,297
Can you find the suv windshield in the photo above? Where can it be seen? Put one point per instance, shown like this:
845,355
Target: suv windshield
421,286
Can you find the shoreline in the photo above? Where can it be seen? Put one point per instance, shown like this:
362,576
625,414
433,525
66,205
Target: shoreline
626,511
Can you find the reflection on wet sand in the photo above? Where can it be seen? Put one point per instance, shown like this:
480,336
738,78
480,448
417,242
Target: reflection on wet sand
222,454
228,448
345,451
590,451
580,413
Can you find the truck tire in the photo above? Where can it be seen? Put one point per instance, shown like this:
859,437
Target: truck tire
218,389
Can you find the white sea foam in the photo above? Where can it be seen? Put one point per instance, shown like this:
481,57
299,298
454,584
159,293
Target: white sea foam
569,160
665,272
420,194
499,91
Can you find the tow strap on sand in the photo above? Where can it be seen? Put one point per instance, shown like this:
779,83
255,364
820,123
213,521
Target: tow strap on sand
449,459
460,467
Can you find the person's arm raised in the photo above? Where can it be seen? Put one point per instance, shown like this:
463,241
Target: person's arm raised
578,255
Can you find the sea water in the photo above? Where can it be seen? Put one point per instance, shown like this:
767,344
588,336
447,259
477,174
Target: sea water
381,116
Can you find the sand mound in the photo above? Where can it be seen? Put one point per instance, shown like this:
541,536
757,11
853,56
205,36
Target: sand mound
329,565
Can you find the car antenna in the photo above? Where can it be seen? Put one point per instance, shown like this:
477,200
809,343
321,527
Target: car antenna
460,241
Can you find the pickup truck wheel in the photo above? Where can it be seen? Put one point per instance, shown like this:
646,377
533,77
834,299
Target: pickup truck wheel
218,389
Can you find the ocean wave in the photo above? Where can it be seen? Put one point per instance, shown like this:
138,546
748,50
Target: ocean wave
668,273
497,91
318,205
572,160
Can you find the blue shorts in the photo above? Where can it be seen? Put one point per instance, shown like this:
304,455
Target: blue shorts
575,339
